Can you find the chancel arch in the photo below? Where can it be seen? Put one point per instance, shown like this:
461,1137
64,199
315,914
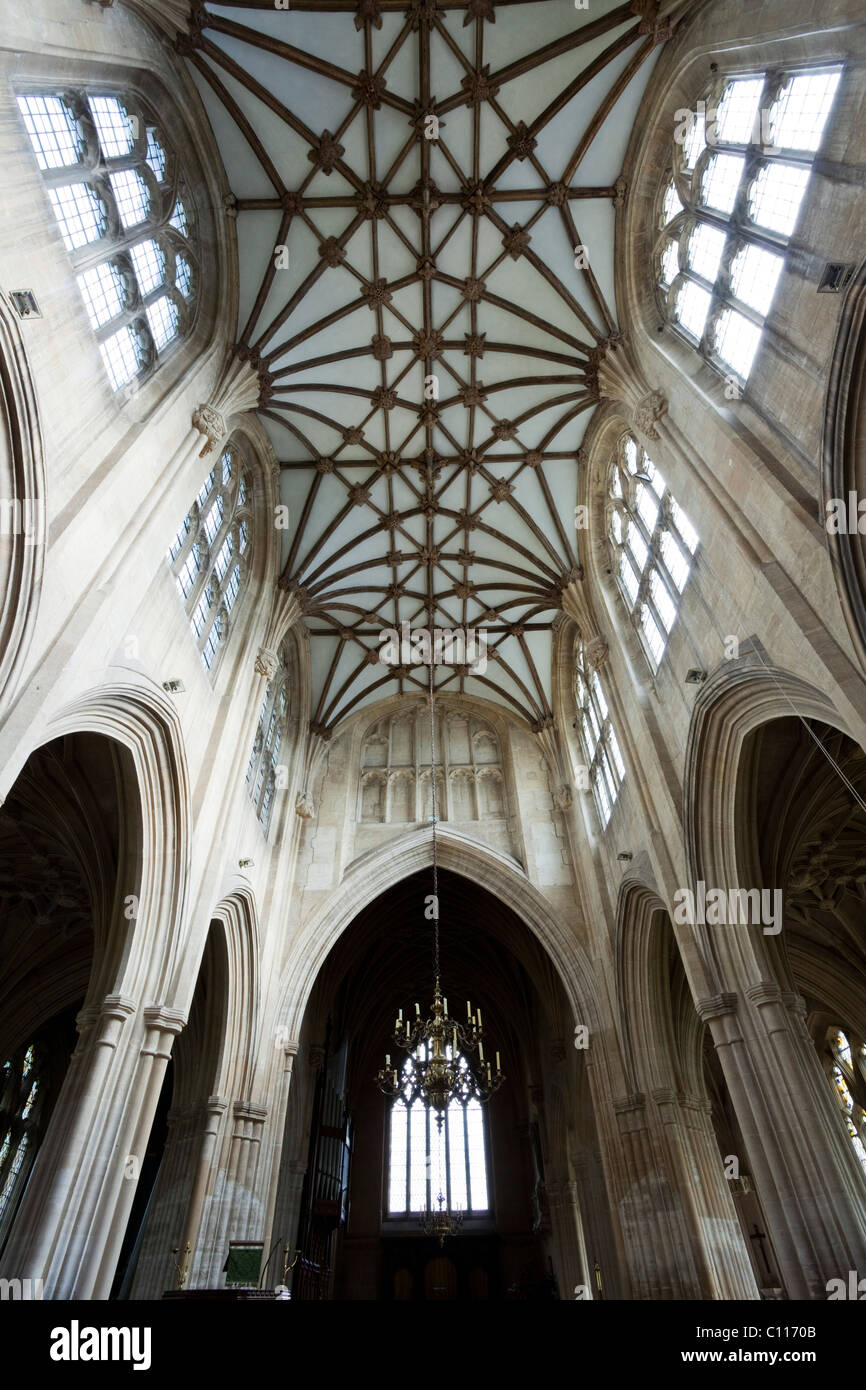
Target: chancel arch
358,1221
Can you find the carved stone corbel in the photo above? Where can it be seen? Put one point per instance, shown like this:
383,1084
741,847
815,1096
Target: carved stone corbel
239,390
647,412
266,663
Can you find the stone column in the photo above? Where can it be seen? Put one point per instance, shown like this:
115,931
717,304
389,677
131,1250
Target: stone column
661,1258
805,1170
275,1224
162,1027
721,1258
69,1204
598,1241
236,1208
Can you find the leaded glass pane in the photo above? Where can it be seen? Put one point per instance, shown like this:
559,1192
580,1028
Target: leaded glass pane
735,120
705,248
53,131
721,181
102,293
654,637
776,195
112,126
79,214
665,606
671,205
131,196
149,264
736,341
670,263
120,355
754,276
692,307
798,118
162,318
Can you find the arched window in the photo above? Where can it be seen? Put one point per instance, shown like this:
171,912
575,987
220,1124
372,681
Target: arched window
20,1106
424,1159
264,769
849,1078
653,544
210,555
741,165
117,193
605,767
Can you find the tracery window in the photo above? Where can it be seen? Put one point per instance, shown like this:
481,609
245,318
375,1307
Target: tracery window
729,206
263,771
210,555
118,196
422,1159
849,1080
601,749
653,544
20,1104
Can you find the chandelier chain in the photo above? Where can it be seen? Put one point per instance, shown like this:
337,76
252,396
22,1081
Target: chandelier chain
435,844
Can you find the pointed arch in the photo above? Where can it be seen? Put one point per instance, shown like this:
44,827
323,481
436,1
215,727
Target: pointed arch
372,873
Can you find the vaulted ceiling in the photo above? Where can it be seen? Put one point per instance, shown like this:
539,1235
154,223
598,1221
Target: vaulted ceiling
425,196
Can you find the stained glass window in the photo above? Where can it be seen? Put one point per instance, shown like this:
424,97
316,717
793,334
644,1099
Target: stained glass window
20,1094
424,1159
139,299
849,1082
727,209
210,555
652,541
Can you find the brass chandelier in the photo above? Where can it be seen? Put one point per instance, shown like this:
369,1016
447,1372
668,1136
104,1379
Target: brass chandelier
436,1069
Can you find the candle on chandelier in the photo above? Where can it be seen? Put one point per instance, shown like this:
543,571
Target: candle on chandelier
445,1002
417,1010
469,1009
387,1059
497,1062
478,1018
400,1015
481,1051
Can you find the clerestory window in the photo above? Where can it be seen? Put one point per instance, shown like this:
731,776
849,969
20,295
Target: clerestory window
265,772
730,204
604,763
653,544
117,193
210,555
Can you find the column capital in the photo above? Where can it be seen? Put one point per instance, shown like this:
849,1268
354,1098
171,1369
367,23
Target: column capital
165,1019
764,992
716,1006
246,1110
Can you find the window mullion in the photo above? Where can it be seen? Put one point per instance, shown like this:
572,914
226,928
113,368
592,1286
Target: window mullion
407,1202
466,1162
